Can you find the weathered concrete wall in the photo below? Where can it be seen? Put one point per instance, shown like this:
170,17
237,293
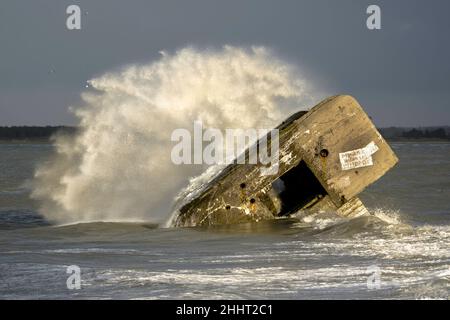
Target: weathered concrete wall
338,143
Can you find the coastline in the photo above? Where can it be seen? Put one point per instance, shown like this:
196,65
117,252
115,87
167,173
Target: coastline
394,140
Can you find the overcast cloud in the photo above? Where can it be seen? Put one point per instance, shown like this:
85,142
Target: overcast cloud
401,73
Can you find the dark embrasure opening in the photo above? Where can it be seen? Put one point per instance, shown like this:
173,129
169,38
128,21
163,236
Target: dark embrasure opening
297,189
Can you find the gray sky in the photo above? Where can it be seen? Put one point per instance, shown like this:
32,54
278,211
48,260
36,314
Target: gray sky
400,74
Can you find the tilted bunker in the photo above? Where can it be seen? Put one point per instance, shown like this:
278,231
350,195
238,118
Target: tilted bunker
327,156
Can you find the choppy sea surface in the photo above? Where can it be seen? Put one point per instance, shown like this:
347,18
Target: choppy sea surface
402,251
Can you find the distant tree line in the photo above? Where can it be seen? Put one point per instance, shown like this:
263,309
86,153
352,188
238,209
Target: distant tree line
433,133
426,134
44,133
33,132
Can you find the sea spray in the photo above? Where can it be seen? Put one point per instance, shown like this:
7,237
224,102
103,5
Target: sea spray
118,167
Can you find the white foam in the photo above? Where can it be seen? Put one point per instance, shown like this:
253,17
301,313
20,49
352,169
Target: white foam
119,168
